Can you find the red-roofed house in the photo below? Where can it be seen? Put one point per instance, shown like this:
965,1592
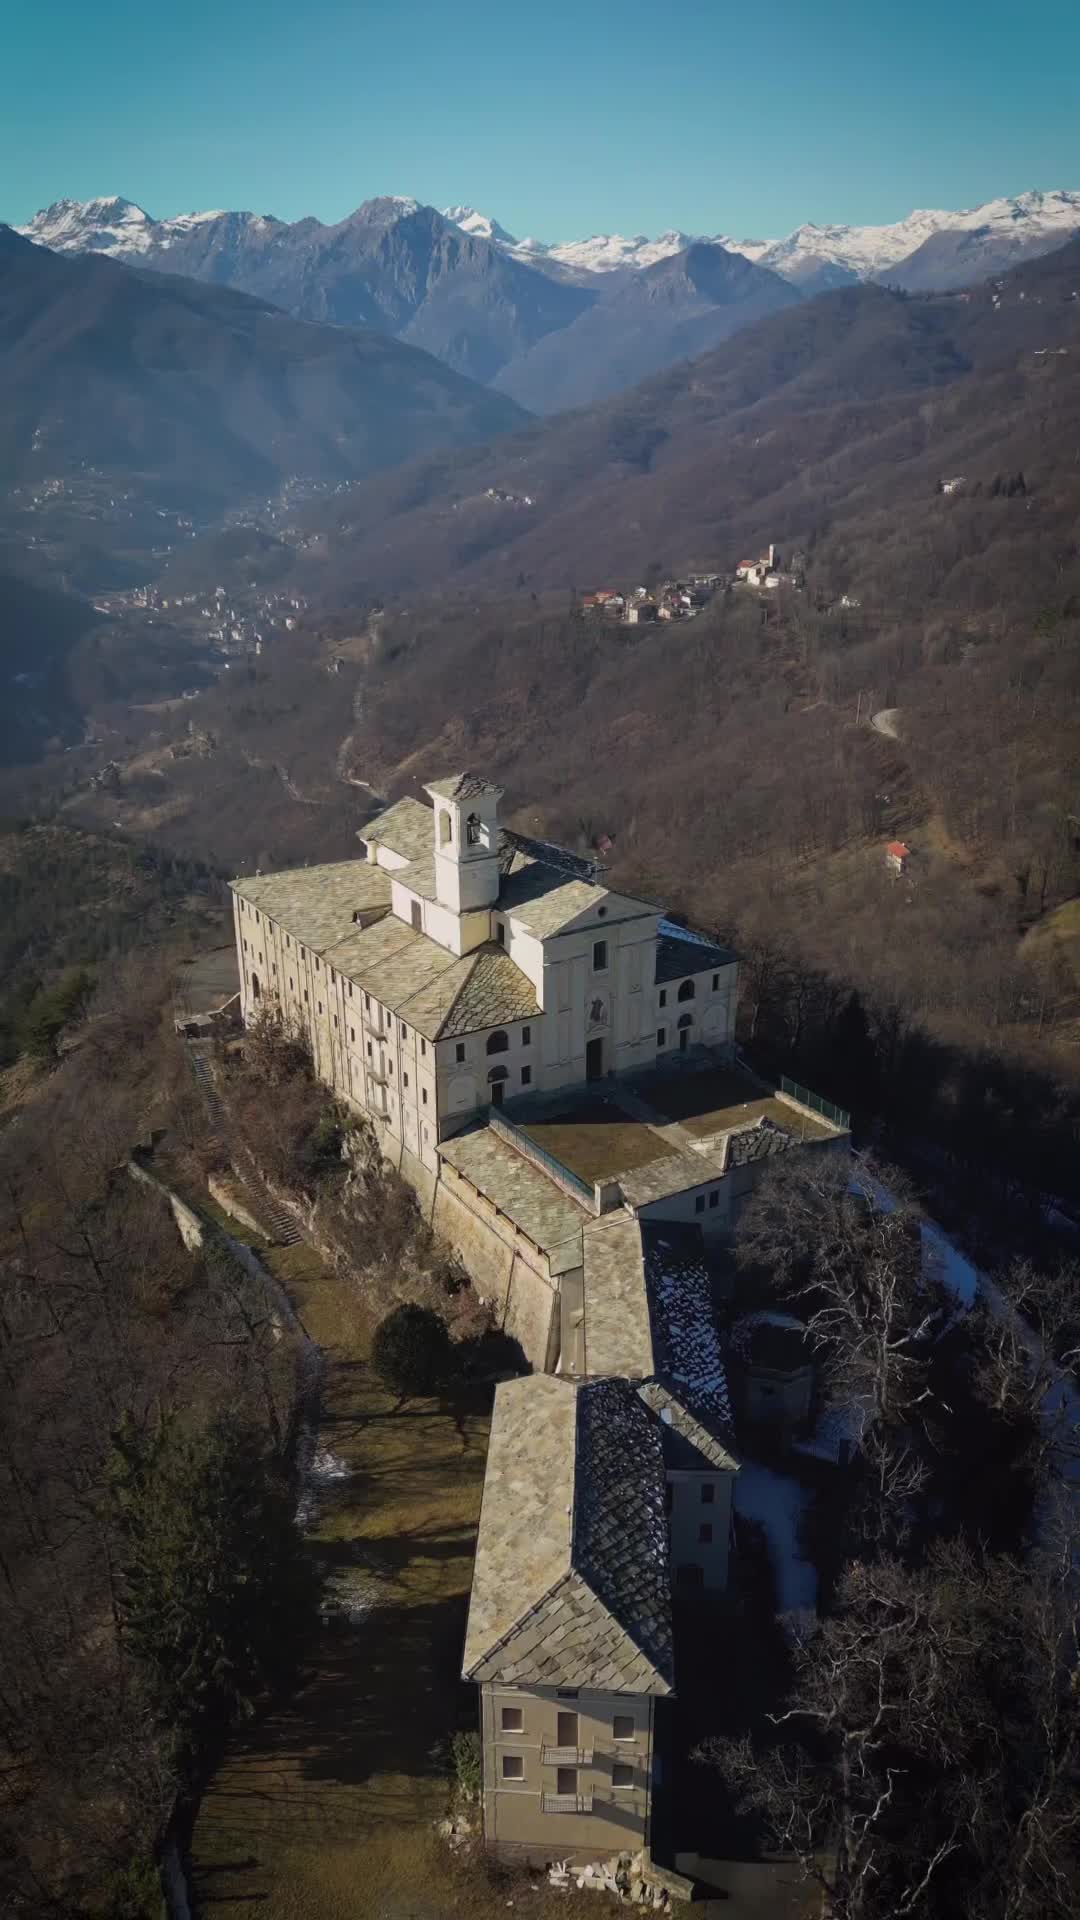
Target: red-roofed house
897,856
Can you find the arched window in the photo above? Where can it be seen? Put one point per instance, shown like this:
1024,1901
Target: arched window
446,828
686,991
685,1020
472,830
496,1074
255,988
498,1042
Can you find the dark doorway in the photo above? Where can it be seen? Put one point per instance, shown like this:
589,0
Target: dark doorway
594,1060
497,1092
255,988
685,1024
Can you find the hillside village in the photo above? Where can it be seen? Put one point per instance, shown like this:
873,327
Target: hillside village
681,599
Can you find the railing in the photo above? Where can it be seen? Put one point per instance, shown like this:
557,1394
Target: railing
566,1802
826,1108
566,1756
517,1138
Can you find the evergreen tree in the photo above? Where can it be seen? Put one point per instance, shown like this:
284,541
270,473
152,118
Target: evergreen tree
217,1589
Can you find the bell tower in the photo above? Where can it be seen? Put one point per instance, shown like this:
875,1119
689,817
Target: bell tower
466,842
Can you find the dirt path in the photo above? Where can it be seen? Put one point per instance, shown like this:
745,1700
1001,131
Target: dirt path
325,1810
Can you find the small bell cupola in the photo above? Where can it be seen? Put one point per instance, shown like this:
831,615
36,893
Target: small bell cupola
466,842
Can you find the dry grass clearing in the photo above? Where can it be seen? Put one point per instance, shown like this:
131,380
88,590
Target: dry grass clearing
716,1100
595,1139
324,1810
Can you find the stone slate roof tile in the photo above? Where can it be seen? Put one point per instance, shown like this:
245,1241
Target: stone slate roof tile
316,904
463,786
686,1340
407,828
571,1580
681,952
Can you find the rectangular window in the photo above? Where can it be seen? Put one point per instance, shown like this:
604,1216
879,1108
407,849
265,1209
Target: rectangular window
622,1775
318,1003
526,1076
292,988
318,966
352,1036
661,1036
348,988
513,1766
714,1197
699,1203
715,981
513,1720
622,1726
663,996
367,1003
704,1533
305,996
389,1066
500,933
257,921
566,1693
423,1096
526,1036
404,1079
404,1030
459,1051
566,1779
708,1493
335,1023
599,956
423,1049
566,1725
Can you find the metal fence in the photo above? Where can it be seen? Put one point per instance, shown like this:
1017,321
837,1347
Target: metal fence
826,1108
517,1138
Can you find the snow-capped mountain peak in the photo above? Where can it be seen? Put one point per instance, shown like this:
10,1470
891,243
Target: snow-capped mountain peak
104,225
481,226
814,256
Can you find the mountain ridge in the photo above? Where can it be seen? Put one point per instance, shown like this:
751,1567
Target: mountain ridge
808,252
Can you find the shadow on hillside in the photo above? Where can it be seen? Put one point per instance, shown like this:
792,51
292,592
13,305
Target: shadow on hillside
355,1750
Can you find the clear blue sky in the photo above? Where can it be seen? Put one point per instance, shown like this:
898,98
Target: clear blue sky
563,117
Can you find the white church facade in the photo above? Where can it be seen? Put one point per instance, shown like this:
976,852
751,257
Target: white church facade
460,965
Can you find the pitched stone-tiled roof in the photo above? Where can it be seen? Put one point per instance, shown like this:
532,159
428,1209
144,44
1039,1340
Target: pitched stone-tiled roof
316,904
620,1518
617,1338
676,1173
436,992
495,990
685,1337
571,1579
407,828
686,1440
463,786
762,1141
543,1212
680,952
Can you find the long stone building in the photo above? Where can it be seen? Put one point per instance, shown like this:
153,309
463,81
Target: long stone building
551,1063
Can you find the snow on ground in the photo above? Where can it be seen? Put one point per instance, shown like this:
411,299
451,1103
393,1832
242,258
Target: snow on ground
777,1502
